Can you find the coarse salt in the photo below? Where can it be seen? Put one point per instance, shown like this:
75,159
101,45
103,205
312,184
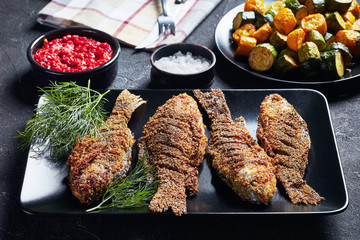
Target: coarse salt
183,63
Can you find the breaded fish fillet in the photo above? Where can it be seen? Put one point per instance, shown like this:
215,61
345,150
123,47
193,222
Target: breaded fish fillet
236,156
95,163
285,137
174,139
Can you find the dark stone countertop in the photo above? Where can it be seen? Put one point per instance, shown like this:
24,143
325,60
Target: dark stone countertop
17,99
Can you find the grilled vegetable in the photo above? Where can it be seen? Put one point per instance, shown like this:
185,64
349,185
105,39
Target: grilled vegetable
271,12
314,22
356,25
289,52
347,57
327,36
349,25
263,33
316,37
274,7
306,28
330,39
292,4
354,9
285,64
262,19
262,57
245,30
332,64
243,18
315,6
245,45
335,22
251,5
295,39
237,21
348,38
278,40
310,67
358,42
300,11
340,6
308,50
348,17
284,21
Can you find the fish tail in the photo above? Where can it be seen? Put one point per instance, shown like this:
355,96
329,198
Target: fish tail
214,104
126,103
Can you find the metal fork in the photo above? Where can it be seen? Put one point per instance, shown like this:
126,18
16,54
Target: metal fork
166,22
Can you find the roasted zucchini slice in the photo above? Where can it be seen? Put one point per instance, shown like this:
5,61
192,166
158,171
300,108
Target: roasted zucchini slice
332,64
310,67
315,6
262,19
316,37
262,57
285,64
300,11
327,36
308,50
243,18
292,4
335,22
345,52
278,40
340,6
289,52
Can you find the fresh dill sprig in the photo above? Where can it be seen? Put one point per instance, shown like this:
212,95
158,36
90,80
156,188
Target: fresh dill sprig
66,111
135,190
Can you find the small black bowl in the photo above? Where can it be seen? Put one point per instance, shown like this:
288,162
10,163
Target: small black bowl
100,77
203,79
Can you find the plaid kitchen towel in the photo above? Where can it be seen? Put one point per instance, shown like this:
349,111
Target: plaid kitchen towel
130,21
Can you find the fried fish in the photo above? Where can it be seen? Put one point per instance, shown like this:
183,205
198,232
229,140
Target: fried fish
96,162
174,140
285,137
238,159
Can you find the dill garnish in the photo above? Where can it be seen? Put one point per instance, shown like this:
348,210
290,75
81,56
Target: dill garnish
67,112
135,190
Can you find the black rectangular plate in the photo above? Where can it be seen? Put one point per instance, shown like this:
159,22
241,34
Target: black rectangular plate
45,187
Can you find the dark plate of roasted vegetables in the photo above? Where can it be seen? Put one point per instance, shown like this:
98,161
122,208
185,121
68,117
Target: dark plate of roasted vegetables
307,42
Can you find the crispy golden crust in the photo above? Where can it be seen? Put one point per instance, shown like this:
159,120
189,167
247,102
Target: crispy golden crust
175,140
95,163
171,192
285,137
236,156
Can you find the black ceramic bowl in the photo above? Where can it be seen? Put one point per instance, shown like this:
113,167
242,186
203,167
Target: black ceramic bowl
100,77
166,79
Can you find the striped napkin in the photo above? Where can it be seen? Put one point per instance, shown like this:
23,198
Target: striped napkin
130,21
